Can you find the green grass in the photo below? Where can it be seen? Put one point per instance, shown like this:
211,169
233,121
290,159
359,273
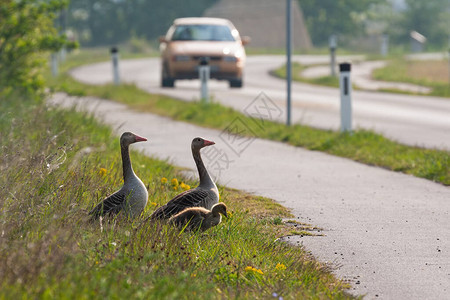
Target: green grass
100,54
363,146
52,165
432,74
425,73
298,68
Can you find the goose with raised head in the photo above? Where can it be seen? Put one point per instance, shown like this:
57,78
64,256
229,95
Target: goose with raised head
132,196
198,217
205,195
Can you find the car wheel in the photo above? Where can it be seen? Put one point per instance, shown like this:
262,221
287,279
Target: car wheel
235,83
166,81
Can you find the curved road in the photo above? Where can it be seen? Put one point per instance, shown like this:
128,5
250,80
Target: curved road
414,120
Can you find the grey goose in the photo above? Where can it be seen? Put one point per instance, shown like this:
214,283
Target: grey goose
205,195
132,196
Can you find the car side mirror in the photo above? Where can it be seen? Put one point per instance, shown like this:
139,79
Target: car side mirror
162,39
245,40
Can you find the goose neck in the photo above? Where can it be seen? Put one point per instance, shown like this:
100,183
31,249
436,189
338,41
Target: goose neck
126,163
205,179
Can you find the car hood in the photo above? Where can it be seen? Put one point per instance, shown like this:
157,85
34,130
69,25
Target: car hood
206,48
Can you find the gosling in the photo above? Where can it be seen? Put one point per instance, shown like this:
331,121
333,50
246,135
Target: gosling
194,218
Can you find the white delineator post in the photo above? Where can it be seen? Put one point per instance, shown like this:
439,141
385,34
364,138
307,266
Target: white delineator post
54,64
384,45
115,63
333,44
346,97
203,74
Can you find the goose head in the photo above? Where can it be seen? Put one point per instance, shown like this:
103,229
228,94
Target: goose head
219,208
129,138
198,143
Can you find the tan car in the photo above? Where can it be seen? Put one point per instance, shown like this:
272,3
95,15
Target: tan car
189,41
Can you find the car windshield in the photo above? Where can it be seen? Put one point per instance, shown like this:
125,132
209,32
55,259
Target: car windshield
202,32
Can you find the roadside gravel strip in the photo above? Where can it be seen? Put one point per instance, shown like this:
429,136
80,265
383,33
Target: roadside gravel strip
386,232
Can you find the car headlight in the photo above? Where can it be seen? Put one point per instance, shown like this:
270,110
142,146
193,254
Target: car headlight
230,58
181,58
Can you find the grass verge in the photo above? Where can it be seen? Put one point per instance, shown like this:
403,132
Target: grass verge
297,68
433,74
363,146
57,164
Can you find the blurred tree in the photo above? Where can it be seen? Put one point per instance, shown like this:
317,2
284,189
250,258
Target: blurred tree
342,17
430,18
26,31
106,22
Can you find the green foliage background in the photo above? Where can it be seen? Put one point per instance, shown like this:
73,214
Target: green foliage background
353,18
106,22
26,32
109,22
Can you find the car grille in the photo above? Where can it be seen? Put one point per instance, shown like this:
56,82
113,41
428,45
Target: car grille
210,58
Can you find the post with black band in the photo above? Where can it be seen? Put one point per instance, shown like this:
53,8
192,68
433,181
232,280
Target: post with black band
115,63
346,97
203,70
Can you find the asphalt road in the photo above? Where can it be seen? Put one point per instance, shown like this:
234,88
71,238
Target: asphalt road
413,120
386,232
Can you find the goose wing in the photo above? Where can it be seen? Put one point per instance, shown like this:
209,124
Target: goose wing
111,205
192,198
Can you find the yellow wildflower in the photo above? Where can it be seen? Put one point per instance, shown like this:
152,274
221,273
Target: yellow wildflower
153,204
174,182
280,267
102,171
185,186
253,270
164,180
175,188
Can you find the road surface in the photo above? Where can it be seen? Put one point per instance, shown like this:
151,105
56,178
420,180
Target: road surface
412,120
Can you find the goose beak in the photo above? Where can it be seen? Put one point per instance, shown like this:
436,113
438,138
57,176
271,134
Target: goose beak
140,138
208,143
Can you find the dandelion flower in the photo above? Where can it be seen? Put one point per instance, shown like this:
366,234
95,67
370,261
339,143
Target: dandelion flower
174,182
164,180
280,267
185,186
253,270
175,188
102,171
154,204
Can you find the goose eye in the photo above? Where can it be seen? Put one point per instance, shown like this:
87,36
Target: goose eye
199,140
